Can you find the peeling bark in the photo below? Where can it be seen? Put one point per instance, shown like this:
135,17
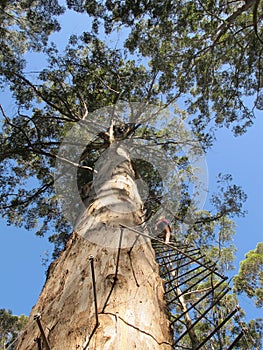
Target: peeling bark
132,312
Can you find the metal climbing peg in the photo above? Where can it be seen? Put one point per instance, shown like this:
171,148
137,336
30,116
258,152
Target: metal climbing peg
91,259
37,318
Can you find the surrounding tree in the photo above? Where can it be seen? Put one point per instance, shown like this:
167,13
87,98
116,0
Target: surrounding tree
250,275
10,328
206,56
25,26
198,289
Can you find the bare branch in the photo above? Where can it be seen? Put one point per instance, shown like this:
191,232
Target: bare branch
64,160
198,291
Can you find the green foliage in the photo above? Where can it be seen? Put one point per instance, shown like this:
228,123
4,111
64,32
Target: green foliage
214,233
10,328
209,50
249,279
153,195
86,78
254,334
25,25
204,55
193,291
171,50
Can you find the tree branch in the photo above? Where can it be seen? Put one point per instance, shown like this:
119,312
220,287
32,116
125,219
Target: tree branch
46,100
227,23
255,20
64,160
30,198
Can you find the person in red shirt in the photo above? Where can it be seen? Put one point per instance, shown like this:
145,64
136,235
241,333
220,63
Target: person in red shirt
163,227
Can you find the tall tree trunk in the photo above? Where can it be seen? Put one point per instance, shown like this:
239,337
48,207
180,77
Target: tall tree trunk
132,312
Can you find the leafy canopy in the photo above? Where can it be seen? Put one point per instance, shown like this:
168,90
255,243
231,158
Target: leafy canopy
10,328
204,55
250,275
25,26
180,51
208,53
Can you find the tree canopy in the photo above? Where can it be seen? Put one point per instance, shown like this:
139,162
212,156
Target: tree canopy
207,52
25,26
169,53
10,328
250,276
203,55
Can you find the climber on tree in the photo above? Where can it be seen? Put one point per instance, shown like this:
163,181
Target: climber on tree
163,228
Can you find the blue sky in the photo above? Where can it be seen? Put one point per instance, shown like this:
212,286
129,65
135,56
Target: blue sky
242,157
21,271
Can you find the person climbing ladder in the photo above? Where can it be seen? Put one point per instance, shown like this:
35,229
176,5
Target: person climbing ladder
163,228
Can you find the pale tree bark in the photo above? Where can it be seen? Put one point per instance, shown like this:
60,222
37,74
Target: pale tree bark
132,312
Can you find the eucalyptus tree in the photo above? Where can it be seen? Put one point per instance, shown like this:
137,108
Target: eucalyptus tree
250,276
171,52
10,328
25,27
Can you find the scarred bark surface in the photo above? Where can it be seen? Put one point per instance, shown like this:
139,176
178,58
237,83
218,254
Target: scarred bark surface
131,308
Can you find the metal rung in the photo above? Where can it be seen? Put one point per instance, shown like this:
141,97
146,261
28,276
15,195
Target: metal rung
217,328
203,314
